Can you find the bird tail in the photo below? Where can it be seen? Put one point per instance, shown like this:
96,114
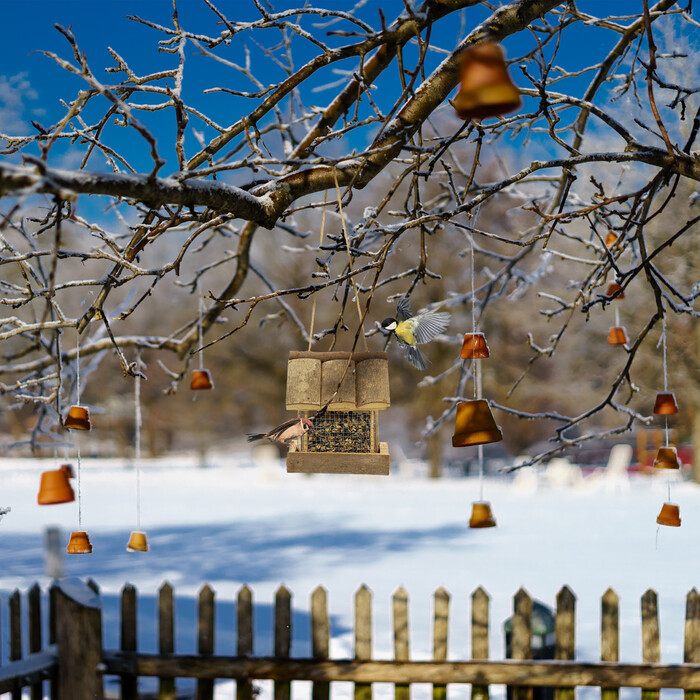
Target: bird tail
255,436
415,357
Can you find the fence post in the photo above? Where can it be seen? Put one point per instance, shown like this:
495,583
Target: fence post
129,682
15,603
205,639
244,613
34,605
402,691
363,637
480,636
440,629
320,638
610,636
691,647
651,650
283,637
53,554
522,637
79,640
166,637
565,634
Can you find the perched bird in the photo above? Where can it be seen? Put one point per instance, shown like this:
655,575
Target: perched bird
412,331
286,432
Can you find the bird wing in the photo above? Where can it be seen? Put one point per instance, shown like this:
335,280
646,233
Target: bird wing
429,325
275,433
403,309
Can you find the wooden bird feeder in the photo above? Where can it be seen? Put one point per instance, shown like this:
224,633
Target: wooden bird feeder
345,437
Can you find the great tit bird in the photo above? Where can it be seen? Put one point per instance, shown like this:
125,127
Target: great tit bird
411,331
286,432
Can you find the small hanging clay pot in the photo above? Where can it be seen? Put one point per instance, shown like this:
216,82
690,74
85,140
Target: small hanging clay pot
669,515
475,425
137,542
486,89
617,336
201,379
610,238
78,418
54,486
474,347
79,543
482,515
614,287
665,404
667,458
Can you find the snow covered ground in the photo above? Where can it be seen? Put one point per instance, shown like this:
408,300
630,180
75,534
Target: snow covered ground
246,521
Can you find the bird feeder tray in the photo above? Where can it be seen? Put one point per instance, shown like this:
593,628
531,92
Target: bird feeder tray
345,437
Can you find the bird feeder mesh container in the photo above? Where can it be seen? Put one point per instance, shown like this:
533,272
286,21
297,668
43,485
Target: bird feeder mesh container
345,438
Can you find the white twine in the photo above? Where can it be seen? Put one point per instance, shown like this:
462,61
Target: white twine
77,369
617,316
137,438
201,333
80,495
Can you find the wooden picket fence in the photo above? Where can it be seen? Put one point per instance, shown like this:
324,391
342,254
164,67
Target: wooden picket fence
72,665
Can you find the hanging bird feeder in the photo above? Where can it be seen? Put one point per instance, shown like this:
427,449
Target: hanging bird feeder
355,387
665,404
474,347
55,487
475,424
78,418
481,515
617,336
667,458
669,515
486,89
79,543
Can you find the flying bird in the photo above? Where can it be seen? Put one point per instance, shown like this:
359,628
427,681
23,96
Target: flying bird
286,432
412,331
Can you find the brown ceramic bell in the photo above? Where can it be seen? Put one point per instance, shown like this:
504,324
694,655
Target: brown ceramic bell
79,543
669,515
78,418
617,336
610,238
475,425
667,458
665,404
482,515
474,347
486,89
137,542
54,486
614,287
201,379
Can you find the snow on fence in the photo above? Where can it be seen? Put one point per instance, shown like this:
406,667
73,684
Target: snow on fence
74,661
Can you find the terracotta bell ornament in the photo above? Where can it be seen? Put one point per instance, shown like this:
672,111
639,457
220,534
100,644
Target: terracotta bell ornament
613,288
669,515
78,418
475,425
665,404
667,458
201,379
79,543
617,336
54,486
482,515
474,347
137,542
485,89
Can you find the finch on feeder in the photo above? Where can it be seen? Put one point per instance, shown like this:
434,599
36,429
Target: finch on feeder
286,432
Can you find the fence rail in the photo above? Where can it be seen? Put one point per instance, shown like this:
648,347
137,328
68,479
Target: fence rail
74,661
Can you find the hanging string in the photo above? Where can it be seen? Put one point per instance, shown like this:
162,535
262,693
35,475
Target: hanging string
137,438
347,246
77,369
80,495
320,243
663,347
77,439
617,316
201,334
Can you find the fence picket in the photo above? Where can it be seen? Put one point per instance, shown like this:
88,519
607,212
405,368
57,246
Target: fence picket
565,634
440,630
244,614
15,603
691,646
363,637
34,605
129,681
522,637
320,638
53,592
283,637
205,639
610,636
401,639
166,637
480,636
651,651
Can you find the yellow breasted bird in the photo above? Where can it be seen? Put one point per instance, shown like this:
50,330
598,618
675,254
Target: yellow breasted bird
412,331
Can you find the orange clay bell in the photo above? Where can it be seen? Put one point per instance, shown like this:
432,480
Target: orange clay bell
617,336
482,515
667,458
55,487
614,287
137,542
669,515
475,425
79,543
474,347
665,404
78,418
201,379
486,89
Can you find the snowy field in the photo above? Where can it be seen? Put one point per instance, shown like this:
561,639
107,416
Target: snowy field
246,521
